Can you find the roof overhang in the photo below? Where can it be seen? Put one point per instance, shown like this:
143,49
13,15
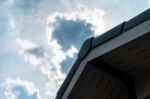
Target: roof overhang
106,65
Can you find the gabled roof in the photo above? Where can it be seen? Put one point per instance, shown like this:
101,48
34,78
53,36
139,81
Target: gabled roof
92,43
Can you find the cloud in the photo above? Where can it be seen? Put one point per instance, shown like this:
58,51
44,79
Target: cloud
25,6
75,27
82,16
20,89
66,31
70,29
47,61
71,32
67,25
37,51
3,23
149,2
26,49
12,23
47,52
51,56
70,53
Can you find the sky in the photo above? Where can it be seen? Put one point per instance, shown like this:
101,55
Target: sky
40,40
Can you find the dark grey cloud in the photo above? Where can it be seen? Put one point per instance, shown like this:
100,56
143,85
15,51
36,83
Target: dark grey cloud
22,93
71,32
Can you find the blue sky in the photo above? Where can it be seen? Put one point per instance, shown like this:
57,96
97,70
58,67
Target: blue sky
40,39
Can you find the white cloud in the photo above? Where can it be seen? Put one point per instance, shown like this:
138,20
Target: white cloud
11,92
30,22
49,64
92,16
149,2
70,53
23,46
9,2
57,55
12,23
